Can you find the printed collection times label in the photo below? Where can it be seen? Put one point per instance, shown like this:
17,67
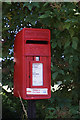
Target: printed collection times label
37,74
37,91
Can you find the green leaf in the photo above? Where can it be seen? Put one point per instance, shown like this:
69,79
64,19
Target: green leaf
47,14
54,45
36,4
8,1
43,16
54,75
25,4
61,71
71,31
46,4
67,43
59,43
67,26
70,60
30,7
74,42
51,108
67,21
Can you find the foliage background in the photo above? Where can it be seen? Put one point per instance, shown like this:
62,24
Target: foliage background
63,20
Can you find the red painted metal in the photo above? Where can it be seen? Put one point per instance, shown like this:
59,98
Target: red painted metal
29,44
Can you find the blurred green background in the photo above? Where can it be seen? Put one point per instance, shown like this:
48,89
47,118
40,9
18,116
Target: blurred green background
63,20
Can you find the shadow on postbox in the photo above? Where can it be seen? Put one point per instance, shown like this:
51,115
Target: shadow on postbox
32,68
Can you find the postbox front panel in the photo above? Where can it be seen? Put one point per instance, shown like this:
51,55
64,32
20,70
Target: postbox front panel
37,79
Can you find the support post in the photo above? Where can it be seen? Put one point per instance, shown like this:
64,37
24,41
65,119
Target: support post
31,109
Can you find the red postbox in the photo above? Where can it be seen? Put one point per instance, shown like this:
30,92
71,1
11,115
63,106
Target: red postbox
32,68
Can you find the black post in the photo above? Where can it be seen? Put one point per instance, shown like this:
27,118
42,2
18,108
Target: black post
31,109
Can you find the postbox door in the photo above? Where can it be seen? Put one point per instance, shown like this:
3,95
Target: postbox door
38,79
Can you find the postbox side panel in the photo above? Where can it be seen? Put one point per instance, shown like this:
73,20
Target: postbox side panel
18,67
